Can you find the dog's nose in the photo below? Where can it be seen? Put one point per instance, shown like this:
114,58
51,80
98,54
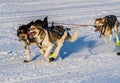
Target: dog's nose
95,26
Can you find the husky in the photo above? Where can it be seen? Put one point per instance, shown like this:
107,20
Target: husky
105,25
47,38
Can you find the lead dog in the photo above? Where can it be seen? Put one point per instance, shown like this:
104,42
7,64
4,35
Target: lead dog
105,25
48,38
24,35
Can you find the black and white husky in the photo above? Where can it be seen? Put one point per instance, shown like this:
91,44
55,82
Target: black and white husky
47,38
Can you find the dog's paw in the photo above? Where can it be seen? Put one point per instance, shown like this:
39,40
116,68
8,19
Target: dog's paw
118,53
51,59
52,56
26,61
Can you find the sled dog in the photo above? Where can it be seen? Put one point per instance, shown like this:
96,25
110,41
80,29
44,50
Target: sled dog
105,25
49,37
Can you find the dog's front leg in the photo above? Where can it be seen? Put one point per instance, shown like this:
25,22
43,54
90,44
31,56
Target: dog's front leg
47,53
104,38
110,37
57,50
27,50
117,38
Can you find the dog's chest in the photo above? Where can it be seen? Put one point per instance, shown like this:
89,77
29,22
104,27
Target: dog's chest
43,42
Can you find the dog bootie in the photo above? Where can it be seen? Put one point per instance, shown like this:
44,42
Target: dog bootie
118,53
51,59
52,56
118,43
26,61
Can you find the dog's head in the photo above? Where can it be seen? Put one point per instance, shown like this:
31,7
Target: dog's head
99,23
35,30
23,31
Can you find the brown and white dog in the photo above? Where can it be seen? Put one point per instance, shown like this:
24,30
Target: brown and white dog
51,37
24,35
105,25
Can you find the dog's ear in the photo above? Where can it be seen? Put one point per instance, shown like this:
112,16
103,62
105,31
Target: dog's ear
29,24
46,22
46,18
98,19
95,20
103,20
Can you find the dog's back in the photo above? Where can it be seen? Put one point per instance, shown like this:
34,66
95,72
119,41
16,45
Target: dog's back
110,20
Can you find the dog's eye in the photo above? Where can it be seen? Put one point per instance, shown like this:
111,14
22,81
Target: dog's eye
32,28
22,31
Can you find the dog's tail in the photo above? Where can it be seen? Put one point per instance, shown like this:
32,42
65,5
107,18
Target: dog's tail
74,36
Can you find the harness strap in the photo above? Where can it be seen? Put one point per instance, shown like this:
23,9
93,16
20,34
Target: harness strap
60,34
40,44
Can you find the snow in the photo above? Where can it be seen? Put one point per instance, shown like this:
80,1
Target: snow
87,60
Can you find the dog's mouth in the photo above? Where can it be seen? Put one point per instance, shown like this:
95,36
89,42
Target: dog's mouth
31,34
97,28
28,35
21,38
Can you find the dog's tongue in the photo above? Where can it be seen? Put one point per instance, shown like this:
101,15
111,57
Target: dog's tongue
29,34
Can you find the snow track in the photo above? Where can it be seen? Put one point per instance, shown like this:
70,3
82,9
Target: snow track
87,60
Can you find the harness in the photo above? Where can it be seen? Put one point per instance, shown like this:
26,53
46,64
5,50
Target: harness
52,29
60,34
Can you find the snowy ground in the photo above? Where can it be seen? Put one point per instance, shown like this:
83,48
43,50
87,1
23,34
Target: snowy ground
87,60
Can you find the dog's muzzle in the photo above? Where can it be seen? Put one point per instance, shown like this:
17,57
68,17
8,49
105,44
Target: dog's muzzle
21,38
97,28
